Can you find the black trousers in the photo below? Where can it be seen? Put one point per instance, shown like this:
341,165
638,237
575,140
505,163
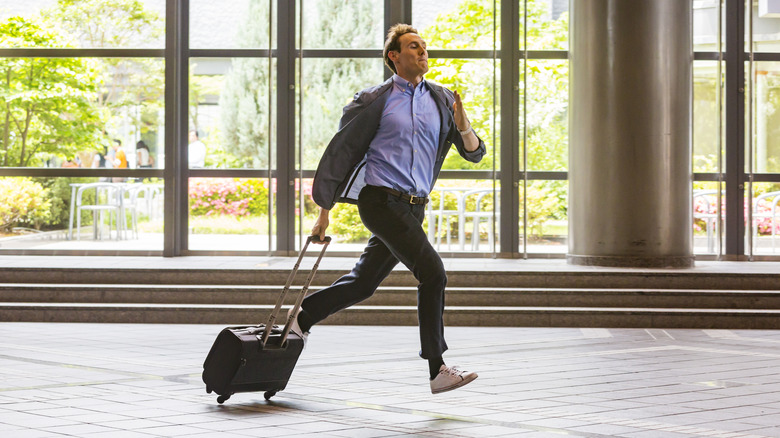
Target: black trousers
397,235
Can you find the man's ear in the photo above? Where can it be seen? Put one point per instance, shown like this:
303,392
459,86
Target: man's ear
393,55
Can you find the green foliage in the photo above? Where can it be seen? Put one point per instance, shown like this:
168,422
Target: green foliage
471,25
244,100
256,191
102,23
345,222
22,201
128,87
329,84
546,200
46,105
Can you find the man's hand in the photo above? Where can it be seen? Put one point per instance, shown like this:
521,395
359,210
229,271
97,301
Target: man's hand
321,225
461,120
470,140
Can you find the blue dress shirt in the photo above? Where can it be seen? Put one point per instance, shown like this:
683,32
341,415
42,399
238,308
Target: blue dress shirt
402,154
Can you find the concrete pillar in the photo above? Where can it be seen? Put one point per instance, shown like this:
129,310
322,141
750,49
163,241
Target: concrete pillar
630,130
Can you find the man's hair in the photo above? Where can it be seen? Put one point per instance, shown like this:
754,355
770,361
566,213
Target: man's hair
392,42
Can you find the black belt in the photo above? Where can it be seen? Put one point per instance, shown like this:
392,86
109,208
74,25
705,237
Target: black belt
412,199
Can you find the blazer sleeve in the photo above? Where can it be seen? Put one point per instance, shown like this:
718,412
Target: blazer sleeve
347,148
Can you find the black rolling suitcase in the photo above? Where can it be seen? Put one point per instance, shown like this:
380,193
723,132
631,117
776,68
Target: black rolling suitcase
258,357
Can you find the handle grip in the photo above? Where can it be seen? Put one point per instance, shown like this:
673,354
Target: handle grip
316,239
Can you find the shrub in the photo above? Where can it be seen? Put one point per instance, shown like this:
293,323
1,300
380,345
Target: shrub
345,222
22,201
257,193
233,197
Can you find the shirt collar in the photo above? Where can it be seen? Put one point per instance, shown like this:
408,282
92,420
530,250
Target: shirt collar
405,85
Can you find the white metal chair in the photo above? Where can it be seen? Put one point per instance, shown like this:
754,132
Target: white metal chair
771,200
481,212
709,200
107,199
131,204
439,218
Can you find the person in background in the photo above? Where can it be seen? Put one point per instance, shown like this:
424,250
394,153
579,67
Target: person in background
71,162
196,151
143,156
120,159
101,159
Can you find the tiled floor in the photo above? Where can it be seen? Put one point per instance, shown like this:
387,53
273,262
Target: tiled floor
103,380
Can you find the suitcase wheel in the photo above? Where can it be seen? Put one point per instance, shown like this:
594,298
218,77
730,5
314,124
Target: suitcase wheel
269,394
222,398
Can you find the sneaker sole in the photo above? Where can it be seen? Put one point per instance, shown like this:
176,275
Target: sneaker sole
455,386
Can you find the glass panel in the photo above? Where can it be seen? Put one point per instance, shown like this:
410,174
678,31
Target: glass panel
707,230
231,24
230,214
473,79
81,214
65,111
705,116
765,227
705,26
462,216
456,24
766,119
547,115
83,24
548,24
336,24
548,220
766,26
328,85
229,113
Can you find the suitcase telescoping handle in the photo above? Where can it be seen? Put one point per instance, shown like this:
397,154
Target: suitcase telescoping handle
280,301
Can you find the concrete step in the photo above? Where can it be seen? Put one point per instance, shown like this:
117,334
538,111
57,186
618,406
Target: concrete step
603,317
626,278
395,296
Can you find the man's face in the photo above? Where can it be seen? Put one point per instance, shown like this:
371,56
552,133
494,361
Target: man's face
412,59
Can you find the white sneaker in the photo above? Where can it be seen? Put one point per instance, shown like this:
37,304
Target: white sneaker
295,328
450,378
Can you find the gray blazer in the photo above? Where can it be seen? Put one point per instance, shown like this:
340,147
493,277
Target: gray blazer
341,172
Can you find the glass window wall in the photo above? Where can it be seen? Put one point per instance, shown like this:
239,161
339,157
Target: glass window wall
89,105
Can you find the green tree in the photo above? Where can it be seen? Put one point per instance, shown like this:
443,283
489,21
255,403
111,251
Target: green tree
328,84
46,105
107,23
243,102
470,25
130,88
